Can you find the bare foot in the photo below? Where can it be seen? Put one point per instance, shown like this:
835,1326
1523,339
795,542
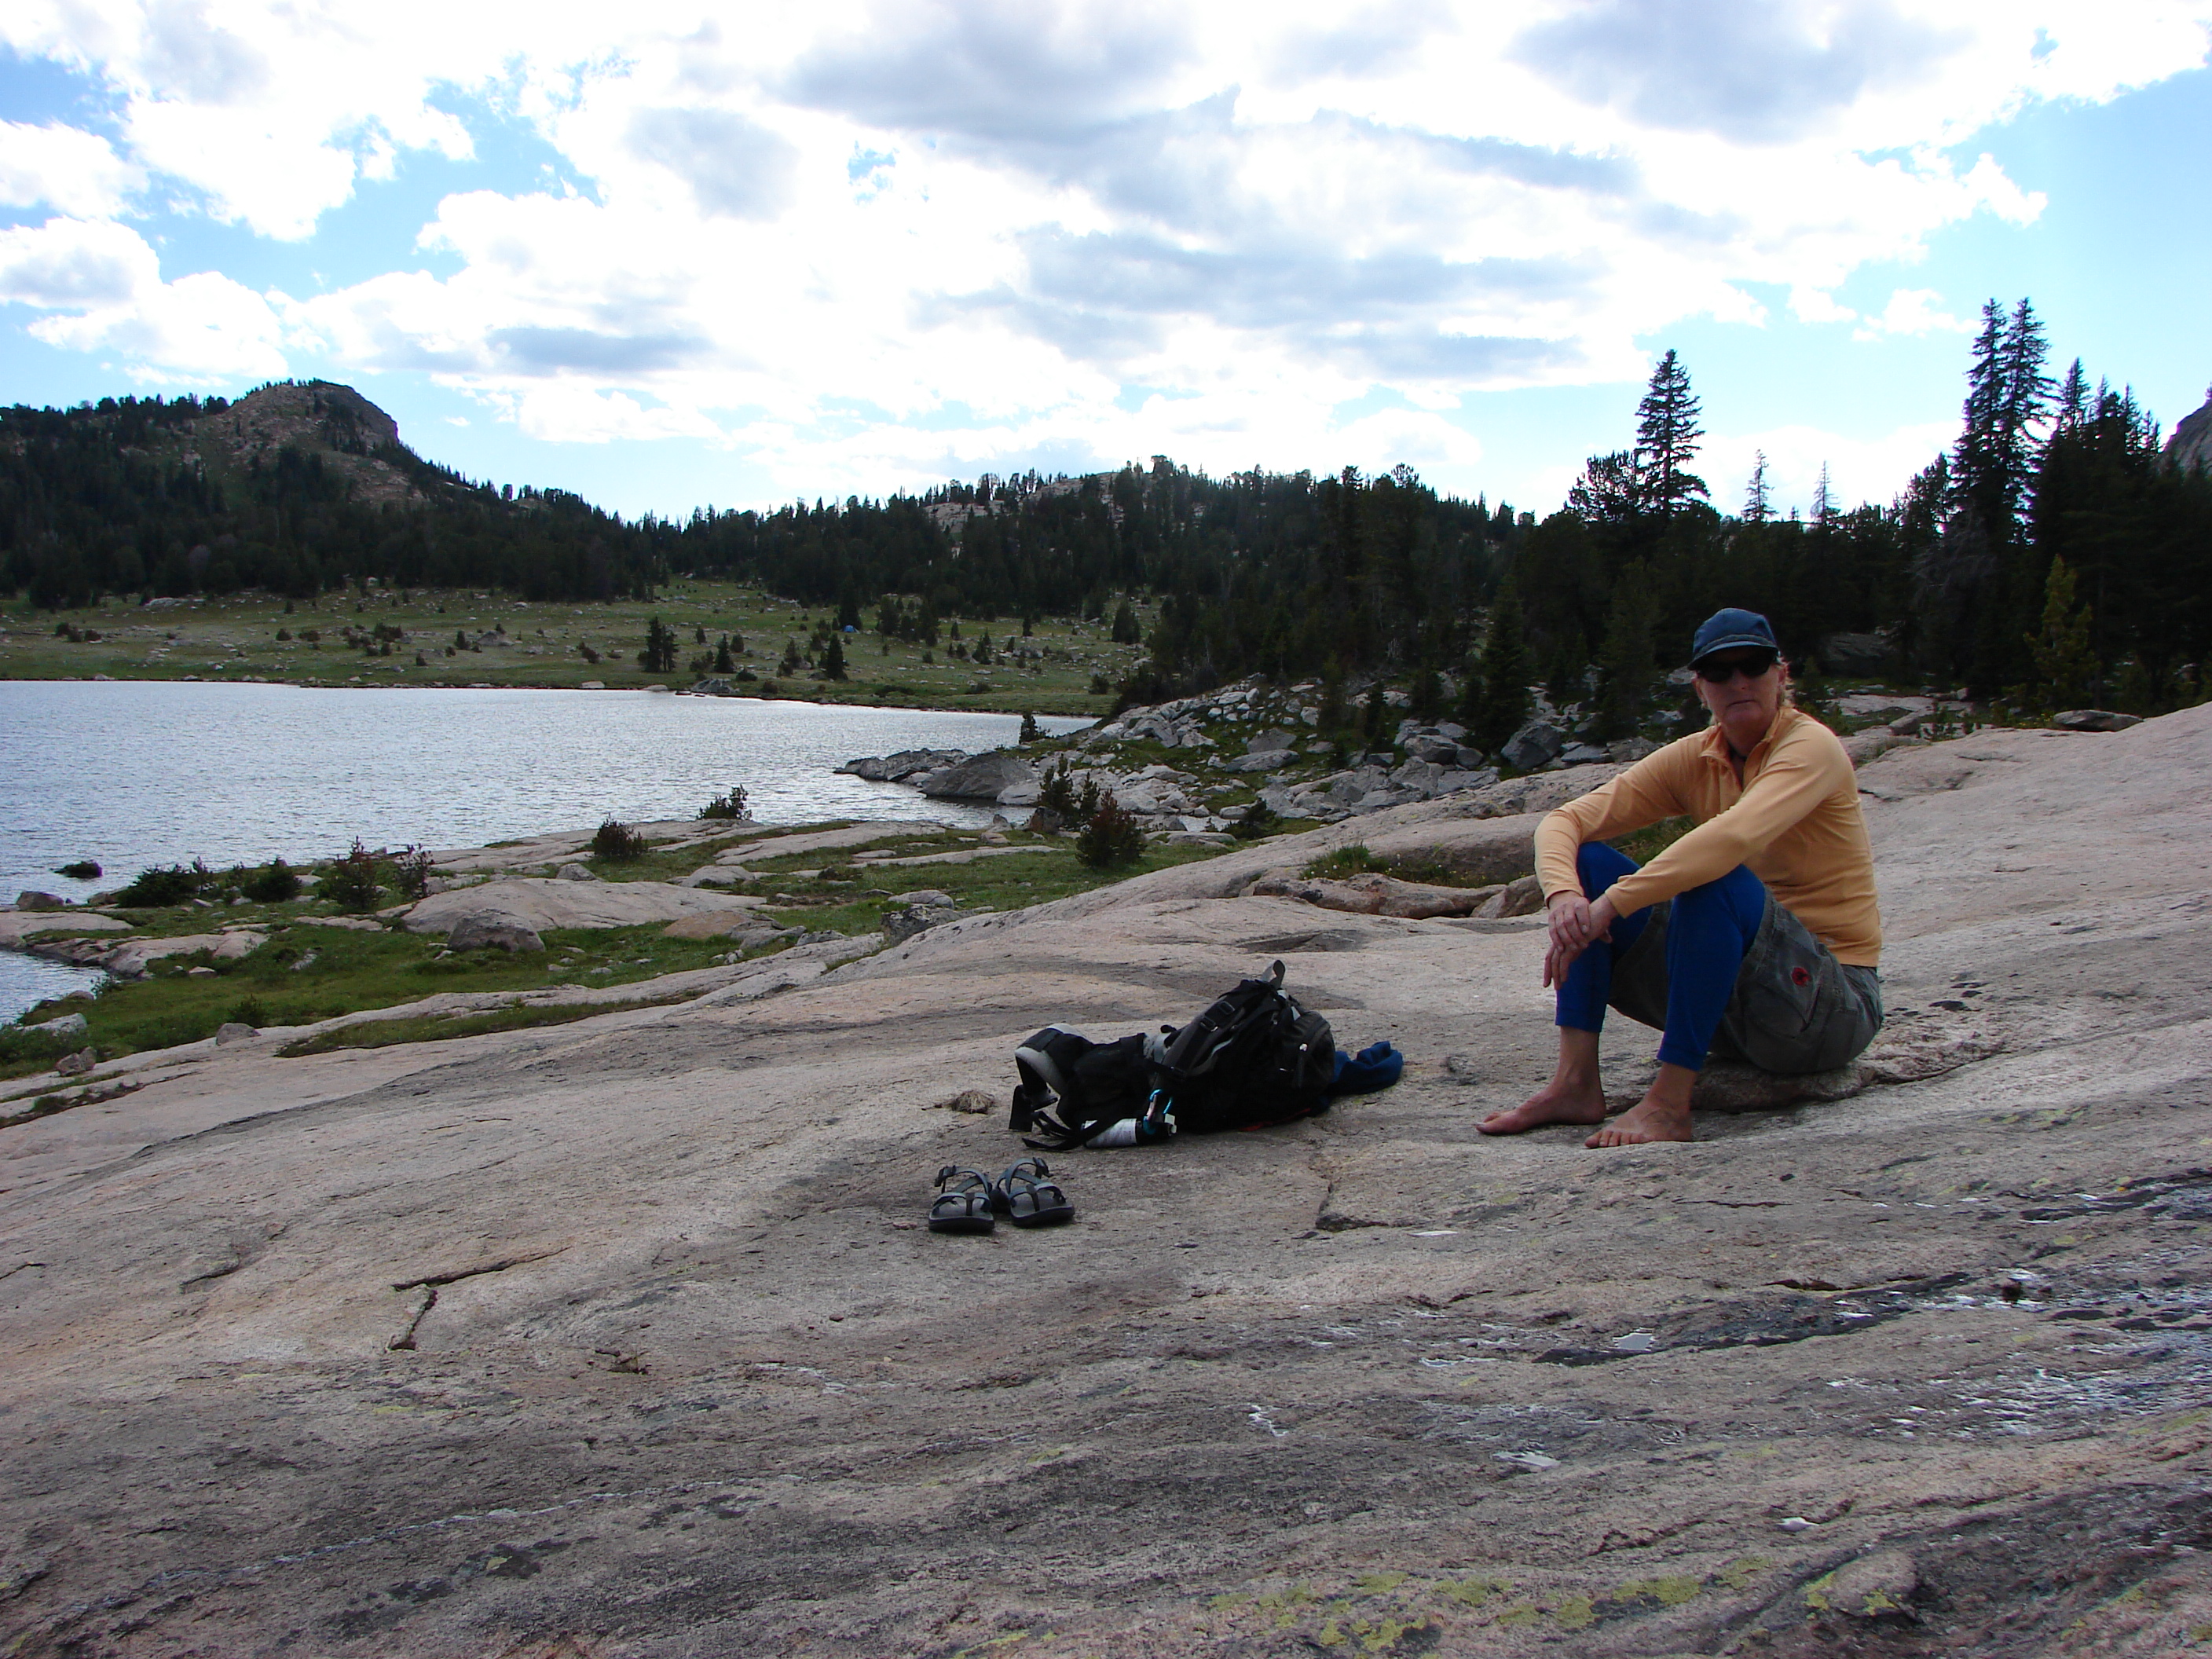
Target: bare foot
1650,1121
1556,1101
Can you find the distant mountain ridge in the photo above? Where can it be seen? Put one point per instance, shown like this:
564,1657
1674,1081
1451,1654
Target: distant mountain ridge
296,488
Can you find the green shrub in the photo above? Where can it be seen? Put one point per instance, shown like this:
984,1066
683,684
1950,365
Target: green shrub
1260,819
618,843
276,884
731,805
1056,793
1112,837
174,884
250,1011
353,882
411,871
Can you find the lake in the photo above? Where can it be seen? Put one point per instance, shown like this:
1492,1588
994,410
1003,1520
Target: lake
136,773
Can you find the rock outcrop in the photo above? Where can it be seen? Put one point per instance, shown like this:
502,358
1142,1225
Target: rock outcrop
628,1335
493,930
2189,448
538,904
980,777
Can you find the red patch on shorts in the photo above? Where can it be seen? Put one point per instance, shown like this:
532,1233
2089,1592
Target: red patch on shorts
1800,976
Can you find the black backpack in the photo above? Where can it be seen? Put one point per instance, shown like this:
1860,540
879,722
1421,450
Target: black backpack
1254,1058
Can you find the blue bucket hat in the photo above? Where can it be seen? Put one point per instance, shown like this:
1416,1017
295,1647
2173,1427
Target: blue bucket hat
1732,629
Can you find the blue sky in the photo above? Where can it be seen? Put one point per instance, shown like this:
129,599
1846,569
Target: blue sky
740,254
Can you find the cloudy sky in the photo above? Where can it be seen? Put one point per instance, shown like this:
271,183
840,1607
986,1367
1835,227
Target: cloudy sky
668,254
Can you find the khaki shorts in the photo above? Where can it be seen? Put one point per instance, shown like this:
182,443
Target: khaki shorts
1795,1009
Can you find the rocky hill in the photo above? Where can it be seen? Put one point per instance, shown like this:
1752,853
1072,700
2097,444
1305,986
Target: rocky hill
2190,446
625,1337
310,417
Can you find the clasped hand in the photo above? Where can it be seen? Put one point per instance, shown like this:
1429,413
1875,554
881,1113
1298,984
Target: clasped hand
1576,923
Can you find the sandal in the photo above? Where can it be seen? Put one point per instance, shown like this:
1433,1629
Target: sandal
1026,1195
963,1202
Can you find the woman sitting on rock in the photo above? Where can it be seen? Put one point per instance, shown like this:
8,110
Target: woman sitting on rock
1754,937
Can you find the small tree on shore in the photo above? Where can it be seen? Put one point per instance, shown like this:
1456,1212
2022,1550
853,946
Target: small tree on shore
1112,837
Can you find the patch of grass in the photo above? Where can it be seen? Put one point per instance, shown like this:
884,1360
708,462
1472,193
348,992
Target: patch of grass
305,973
438,1028
349,971
1646,844
253,636
26,1053
1352,860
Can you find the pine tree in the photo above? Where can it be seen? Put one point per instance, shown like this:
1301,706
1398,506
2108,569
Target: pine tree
723,663
1126,630
1504,706
1823,501
1625,659
2073,401
833,660
2065,666
1667,433
1757,507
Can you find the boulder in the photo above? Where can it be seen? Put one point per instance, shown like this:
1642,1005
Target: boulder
488,930
907,763
1874,741
78,1064
68,1025
1521,896
542,902
17,925
36,900
1437,747
1273,737
1046,822
129,959
1020,795
1537,744
716,924
1373,894
2073,719
575,872
903,923
232,1031
1854,653
982,777
1261,760
1582,754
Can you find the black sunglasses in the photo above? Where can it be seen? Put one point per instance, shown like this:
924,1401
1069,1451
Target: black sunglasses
1720,673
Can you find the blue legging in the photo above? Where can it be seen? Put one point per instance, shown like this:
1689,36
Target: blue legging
1707,931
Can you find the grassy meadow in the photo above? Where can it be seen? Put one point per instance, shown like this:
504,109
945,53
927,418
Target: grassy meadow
373,637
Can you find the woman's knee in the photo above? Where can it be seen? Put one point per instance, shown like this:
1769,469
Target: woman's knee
1598,866
1738,896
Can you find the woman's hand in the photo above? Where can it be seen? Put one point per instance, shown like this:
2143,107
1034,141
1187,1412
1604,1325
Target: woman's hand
1576,923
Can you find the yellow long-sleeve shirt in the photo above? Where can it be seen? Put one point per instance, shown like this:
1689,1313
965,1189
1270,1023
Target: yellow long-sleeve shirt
1794,820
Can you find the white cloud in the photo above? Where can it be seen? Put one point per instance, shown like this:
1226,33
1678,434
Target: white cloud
892,233
101,285
61,166
1912,311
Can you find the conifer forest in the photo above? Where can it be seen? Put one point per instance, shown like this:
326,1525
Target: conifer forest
2053,557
